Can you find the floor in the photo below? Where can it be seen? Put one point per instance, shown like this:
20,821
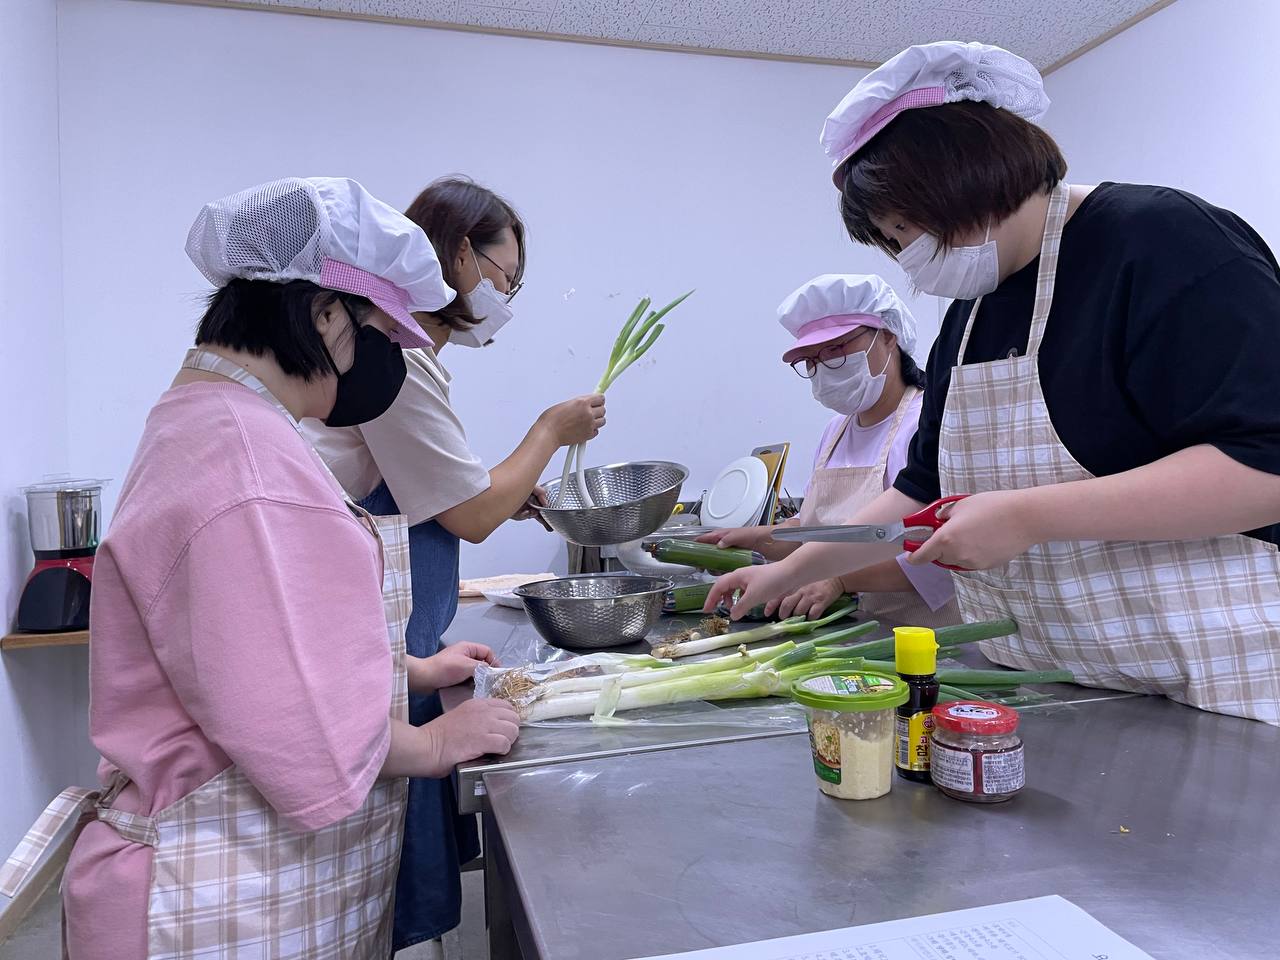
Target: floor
39,938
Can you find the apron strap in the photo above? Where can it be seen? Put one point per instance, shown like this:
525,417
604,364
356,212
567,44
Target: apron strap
830,448
1054,221
898,415
907,397
72,804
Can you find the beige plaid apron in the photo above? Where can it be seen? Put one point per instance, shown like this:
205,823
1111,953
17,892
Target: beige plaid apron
228,879
1196,620
837,493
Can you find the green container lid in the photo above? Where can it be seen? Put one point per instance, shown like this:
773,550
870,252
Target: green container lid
853,690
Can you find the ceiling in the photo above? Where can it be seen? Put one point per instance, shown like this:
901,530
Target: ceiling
854,32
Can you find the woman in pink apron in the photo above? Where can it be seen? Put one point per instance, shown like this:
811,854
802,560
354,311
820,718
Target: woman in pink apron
853,343
248,673
1103,387
415,460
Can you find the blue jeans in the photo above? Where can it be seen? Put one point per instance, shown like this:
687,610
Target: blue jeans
436,838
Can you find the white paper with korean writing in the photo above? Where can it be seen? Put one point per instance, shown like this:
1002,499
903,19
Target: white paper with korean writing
1046,928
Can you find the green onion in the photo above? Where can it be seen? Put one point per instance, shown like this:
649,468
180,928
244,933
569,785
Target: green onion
686,599
950,636
985,679
793,626
631,344
703,556
955,693
758,681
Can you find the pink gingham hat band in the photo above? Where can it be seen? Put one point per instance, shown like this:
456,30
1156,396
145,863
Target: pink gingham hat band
335,275
923,97
825,329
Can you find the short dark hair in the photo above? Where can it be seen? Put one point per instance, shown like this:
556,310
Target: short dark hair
912,375
456,208
948,169
263,317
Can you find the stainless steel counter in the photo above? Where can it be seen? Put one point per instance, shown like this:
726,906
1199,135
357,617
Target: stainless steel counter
1156,818
510,635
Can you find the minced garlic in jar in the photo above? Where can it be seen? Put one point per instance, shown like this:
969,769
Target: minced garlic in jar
851,731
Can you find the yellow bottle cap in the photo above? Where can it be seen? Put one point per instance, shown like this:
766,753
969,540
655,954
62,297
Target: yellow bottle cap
915,651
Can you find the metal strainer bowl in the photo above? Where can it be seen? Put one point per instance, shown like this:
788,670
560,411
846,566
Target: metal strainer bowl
594,610
632,500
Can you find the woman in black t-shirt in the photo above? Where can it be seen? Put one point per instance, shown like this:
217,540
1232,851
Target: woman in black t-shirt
1101,386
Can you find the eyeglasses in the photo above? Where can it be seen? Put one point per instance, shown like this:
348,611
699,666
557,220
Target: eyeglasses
513,285
832,356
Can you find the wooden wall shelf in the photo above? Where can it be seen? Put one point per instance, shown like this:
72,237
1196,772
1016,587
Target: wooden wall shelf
23,641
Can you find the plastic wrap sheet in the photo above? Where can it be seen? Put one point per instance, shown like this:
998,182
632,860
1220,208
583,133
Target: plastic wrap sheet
764,714
527,648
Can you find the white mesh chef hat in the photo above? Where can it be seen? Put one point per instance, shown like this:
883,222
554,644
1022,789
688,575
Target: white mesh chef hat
330,231
829,306
926,76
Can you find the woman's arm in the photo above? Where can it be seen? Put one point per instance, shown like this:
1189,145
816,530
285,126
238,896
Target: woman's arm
814,599
511,481
759,539
472,729
1194,493
887,576
813,561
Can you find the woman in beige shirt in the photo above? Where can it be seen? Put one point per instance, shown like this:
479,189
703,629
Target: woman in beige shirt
415,460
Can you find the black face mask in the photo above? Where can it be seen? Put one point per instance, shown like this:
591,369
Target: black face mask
367,390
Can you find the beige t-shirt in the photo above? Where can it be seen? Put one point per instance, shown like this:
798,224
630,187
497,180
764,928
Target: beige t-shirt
418,446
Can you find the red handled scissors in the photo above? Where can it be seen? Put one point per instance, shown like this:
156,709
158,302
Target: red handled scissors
916,524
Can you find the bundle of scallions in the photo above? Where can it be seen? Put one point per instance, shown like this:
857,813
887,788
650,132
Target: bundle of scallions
619,683
713,633
633,341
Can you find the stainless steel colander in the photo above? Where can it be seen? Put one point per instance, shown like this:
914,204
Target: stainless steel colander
632,500
594,610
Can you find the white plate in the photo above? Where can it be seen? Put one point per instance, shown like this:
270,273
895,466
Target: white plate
736,497
504,598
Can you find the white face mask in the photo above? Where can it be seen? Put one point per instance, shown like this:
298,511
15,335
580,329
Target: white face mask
961,273
850,388
489,307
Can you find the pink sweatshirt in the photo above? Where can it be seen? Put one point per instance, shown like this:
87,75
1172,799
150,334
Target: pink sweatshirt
237,618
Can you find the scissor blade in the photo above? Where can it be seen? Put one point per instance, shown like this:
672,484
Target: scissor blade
892,533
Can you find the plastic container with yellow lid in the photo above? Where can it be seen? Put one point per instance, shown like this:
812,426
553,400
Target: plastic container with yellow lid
851,730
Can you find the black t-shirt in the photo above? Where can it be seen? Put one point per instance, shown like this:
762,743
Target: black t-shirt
1164,334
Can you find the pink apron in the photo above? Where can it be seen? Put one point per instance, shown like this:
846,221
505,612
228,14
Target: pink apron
228,879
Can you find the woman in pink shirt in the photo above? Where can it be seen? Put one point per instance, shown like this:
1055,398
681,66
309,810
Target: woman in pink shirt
853,343
248,674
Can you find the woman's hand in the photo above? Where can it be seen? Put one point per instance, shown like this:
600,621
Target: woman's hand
748,538
452,665
810,601
982,532
759,539
758,585
472,729
574,421
536,499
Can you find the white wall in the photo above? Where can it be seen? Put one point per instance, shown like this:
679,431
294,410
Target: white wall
43,693
1183,98
639,172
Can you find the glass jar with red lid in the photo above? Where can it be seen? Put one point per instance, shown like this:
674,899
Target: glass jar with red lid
976,751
